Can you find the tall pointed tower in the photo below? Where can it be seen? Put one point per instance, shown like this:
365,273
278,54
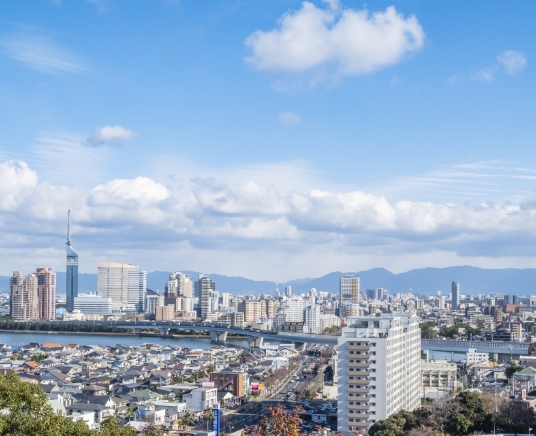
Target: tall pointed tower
72,269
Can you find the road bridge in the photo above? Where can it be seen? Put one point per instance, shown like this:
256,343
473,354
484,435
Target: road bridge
220,333
499,347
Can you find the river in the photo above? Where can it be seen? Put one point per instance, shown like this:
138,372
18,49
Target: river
17,338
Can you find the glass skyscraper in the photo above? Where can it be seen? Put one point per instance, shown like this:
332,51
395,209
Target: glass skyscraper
72,270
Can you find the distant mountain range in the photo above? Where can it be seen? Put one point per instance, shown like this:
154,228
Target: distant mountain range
421,281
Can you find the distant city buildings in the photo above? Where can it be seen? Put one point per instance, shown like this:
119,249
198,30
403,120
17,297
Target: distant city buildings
46,293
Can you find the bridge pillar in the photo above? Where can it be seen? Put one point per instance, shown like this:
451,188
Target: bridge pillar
255,342
218,336
300,346
164,332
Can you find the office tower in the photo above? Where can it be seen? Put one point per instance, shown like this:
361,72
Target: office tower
288,291
24,303
137,289
379,369
46,293
153,301
204,288
349,289
455,295
511,299
113,281
312,319
71,287
179,284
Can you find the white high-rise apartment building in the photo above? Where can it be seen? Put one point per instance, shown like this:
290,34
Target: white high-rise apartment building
137,289
225,297
112,281
179,284
294,308
349,289
152,302
312,319
379,369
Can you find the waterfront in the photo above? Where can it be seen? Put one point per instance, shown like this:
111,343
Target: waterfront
18,338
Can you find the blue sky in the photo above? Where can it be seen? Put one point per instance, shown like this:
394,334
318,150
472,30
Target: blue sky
270,139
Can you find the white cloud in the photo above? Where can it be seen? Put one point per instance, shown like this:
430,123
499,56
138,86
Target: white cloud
346,41
485,75
110,135
123,216
39,52
141,189
17,182
288,118
512,60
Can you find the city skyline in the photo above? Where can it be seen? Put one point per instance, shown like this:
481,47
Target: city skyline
213,145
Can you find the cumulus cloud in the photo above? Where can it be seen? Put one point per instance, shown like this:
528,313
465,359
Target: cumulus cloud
141,189
40,52
289,118
18,181
126,214
512,61
346,41
110,135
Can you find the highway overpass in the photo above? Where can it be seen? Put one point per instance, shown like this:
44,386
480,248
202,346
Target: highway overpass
219,333
499,347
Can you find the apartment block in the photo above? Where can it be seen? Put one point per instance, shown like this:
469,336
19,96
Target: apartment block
46,293
24,300
438,374
165,313
379,369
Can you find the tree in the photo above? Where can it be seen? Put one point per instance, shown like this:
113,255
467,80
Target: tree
428,330
278,422
208,415
27,413
187,420
512,370
152,430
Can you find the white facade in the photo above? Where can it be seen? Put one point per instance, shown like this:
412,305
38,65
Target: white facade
293,309
137,288
312,319
112,281
93,305
379,369
225,297
473,357
328,321
152,302
201,398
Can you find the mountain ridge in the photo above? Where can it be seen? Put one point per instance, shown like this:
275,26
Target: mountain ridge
428,280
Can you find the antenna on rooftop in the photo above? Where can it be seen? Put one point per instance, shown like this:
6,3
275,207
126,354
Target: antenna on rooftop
69,228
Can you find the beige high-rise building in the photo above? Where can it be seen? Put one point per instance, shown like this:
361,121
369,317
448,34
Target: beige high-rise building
112,281
46,293
24,301
179,285
253,310
271,307
349,289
